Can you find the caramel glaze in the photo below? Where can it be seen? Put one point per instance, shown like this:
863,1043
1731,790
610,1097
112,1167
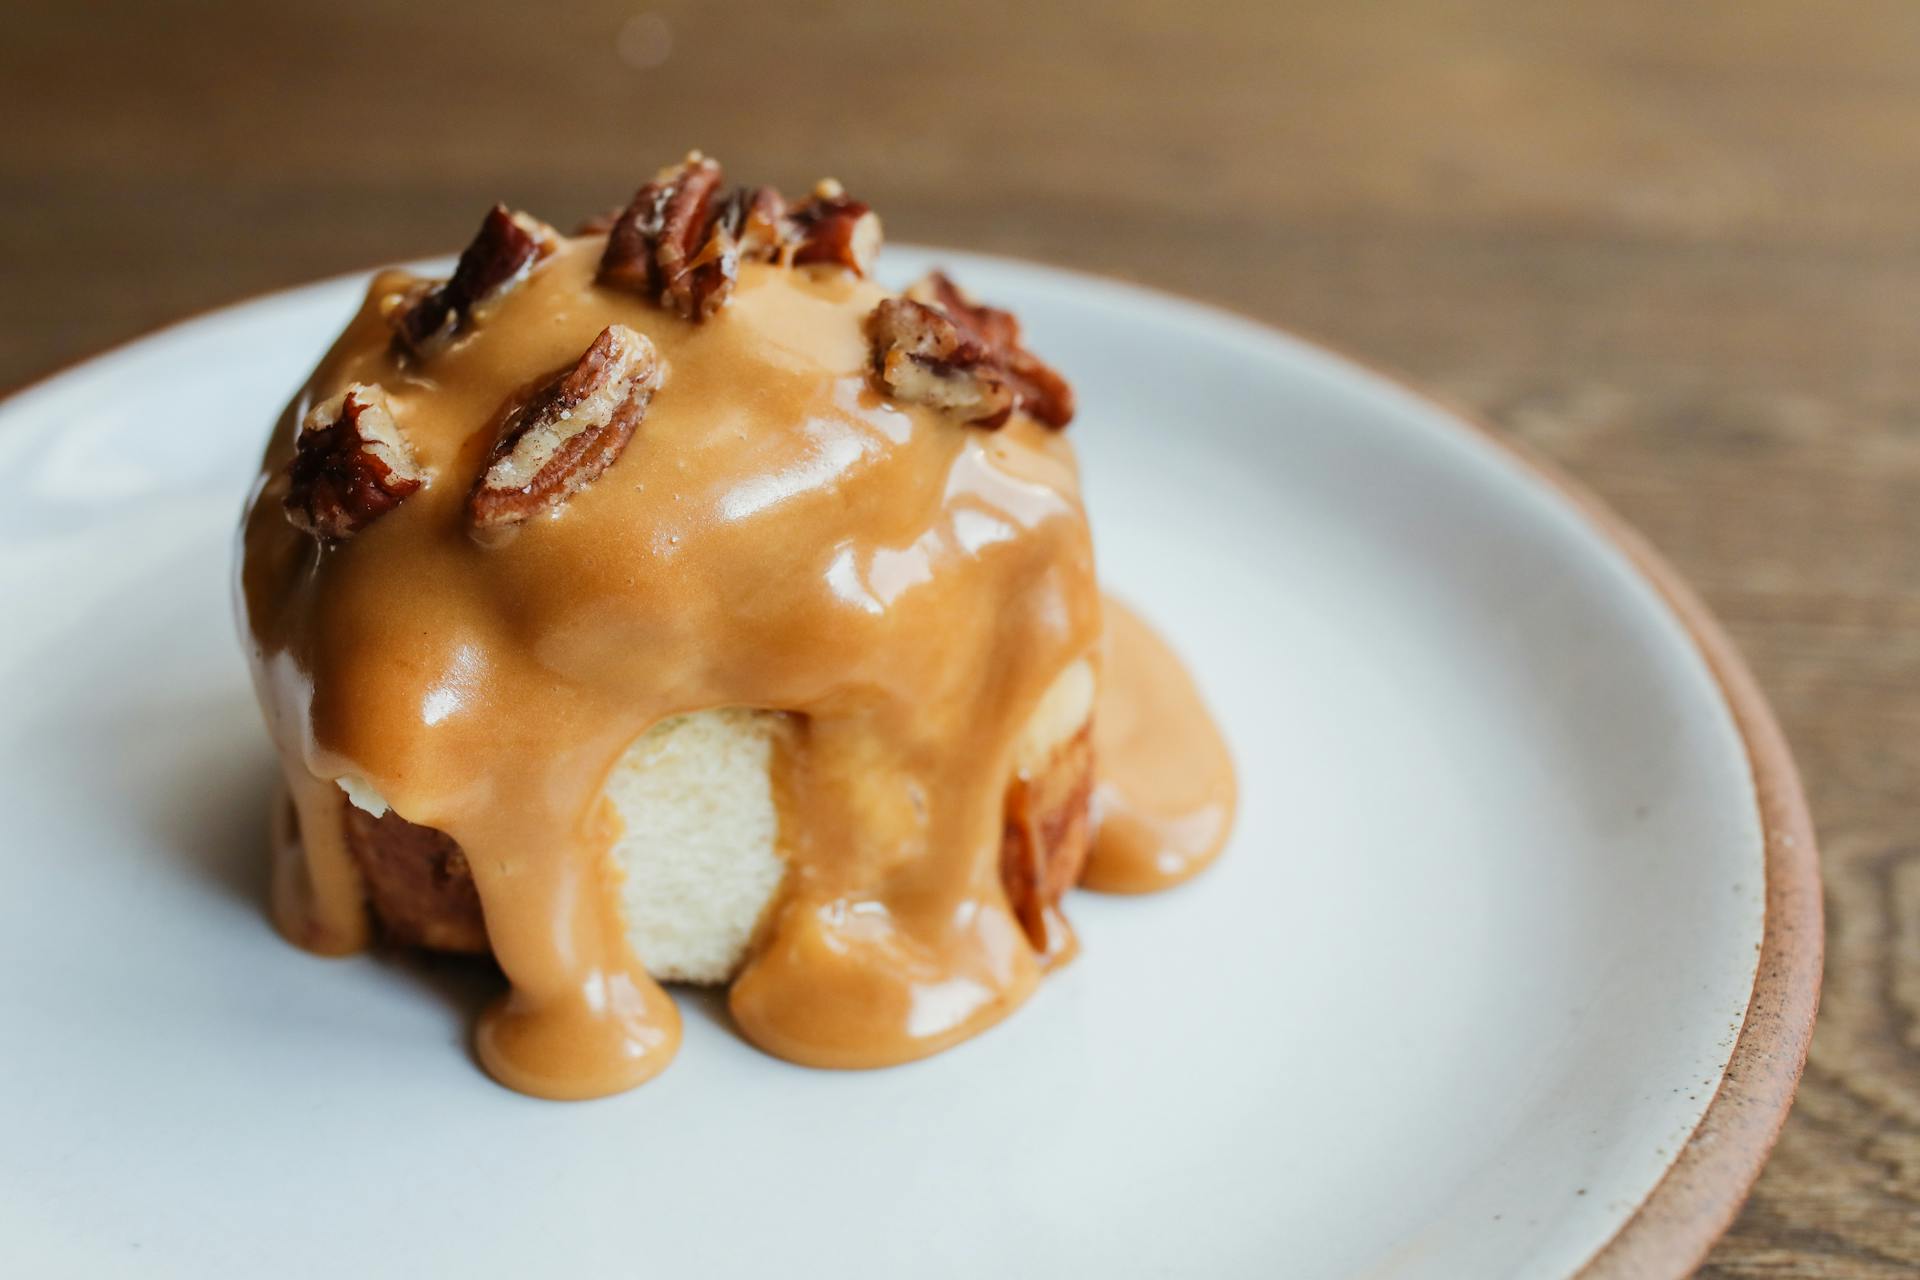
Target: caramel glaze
1164,803
778,535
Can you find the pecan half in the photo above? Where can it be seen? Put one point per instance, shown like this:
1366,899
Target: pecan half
568,431
831,227
504,250
1038,389
350,465
666,246
921,355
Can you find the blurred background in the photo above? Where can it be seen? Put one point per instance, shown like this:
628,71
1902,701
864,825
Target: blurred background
1674,247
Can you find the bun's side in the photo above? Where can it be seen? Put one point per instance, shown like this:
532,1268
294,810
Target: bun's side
698,851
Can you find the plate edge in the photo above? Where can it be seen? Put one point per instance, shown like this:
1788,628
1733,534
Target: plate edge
1695,1202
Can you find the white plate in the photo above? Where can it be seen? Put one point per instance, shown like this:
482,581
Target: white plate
1451,1003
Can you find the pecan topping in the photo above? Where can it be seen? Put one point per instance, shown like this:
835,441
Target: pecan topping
1039,391
568,431
681,242
757,219
350,465
665,244
921,355
939,347
504,250
830,227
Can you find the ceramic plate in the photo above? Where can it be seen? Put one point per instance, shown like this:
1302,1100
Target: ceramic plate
1521,872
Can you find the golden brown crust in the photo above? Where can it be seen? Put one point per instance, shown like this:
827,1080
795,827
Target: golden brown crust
419,887
421,892
1045,840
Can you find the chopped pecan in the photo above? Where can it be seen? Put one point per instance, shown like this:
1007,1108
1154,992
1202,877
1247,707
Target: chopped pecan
921,355
707,282
568,431
504,250
350,465
830,227
680,241
937,346
666,245
1039,390
756,217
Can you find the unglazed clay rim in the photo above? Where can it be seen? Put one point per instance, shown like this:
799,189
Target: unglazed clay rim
1696,1199
1703,1187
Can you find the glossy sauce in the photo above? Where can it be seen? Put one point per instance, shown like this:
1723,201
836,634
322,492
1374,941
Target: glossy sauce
777,536
1164,803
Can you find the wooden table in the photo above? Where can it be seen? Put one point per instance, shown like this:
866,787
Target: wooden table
1675,247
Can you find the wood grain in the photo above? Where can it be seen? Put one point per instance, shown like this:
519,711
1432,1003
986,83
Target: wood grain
1671,247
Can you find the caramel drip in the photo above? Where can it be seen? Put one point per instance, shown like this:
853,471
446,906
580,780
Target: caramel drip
1165,798
777,535
316,892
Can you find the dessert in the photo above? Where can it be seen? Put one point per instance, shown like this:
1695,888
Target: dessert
672,602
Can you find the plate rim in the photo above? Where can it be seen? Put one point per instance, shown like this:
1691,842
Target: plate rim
1712,1172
